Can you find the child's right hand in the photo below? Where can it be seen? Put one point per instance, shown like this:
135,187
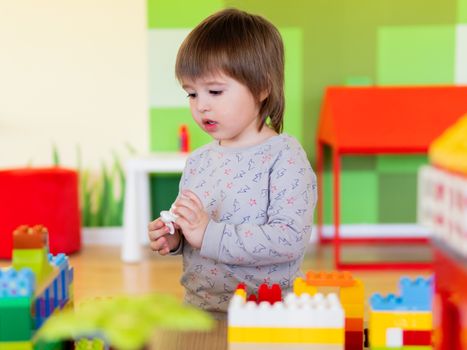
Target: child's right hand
160,239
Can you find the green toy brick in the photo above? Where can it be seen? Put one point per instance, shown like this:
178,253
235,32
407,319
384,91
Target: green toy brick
35,259
16,322
56,345
23,345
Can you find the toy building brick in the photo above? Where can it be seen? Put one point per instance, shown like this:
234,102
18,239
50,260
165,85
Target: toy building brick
304,318
397,322
37,285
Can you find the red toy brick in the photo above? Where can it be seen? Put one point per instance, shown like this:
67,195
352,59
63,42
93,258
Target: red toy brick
353,340
417,337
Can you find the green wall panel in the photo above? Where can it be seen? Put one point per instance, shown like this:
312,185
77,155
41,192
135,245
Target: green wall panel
359,197
397,198
164,190
164,126
293,116
400,163
416,55
462,11
365,163
180,13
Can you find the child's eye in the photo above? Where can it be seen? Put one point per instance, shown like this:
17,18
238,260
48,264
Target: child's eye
215,92
192,95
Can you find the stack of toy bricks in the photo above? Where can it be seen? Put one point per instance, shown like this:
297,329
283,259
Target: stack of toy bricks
305,319
442,207
351,294
405,321
32,289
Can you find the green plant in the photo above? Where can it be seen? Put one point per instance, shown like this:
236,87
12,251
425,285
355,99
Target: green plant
102,196
101,193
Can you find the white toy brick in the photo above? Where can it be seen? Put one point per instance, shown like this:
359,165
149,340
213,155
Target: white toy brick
394,338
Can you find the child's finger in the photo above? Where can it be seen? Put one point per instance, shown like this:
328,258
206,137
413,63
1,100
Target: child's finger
193,197
155,225
158,244
186,213
156,234
183,223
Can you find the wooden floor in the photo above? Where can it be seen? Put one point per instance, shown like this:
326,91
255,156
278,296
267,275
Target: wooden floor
99,272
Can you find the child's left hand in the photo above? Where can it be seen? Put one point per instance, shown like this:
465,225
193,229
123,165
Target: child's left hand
192,219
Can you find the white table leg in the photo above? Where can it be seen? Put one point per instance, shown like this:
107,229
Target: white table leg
131,246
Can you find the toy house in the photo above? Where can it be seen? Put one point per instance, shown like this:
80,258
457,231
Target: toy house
442,207
375,121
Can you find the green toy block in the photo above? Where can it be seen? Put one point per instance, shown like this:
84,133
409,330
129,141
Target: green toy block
55,345
16,324
35,259
16,345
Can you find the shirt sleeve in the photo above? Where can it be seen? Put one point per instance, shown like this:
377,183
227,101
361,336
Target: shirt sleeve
285,235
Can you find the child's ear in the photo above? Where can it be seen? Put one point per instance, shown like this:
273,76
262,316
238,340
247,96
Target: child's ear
263,95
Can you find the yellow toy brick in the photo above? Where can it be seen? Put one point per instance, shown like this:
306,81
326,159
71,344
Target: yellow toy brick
354,294
300,286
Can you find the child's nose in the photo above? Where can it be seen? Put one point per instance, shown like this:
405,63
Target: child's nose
202,105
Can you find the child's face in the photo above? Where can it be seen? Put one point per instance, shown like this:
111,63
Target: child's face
224,108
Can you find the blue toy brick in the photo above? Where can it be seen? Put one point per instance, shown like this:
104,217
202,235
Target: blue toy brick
59,260
417,293
56,296
388,303
15,284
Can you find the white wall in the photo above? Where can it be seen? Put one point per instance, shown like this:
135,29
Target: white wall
72,72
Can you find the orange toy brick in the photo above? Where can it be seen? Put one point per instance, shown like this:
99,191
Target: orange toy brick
330,279
25,237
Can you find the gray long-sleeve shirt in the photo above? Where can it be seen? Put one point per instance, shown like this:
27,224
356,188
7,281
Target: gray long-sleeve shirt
260,201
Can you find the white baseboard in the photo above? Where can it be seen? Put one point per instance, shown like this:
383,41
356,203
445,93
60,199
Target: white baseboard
113,236
377,231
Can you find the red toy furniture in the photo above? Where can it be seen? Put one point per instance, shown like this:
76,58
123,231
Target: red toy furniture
380,120
47,196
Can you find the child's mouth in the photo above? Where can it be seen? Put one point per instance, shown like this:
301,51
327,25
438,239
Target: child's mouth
210,125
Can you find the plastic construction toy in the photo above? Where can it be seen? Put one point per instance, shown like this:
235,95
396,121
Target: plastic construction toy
405,320
246,314
37,286
122,322
351,295
442,207
315,322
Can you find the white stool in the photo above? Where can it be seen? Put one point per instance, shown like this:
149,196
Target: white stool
137,209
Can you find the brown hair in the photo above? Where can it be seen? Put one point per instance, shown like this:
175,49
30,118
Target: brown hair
246,47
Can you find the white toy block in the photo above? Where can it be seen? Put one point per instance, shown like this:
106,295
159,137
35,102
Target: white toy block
394,338
295,312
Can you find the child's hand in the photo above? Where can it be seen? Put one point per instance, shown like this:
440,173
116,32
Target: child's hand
160,239
192,219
